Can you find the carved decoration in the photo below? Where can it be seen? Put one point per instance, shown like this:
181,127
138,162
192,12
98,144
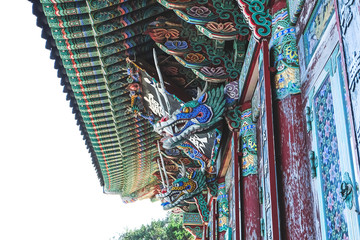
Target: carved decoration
284,55
248,143
201,203
194,116
196,231
258,17
233,118
192,219
208,59
186,187
214,18
223,208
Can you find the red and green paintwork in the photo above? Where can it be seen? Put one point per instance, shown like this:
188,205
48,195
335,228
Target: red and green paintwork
211,41
94,38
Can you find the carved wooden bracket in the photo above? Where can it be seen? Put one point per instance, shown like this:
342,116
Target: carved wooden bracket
258,17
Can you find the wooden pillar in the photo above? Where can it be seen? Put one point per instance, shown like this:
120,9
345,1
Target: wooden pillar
222,202
250,207
213,219
236,187
293,167
275,234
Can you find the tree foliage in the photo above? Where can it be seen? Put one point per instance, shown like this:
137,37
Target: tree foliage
169,228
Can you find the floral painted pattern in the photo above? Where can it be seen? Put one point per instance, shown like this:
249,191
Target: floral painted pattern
213,71
195,58
197,11
160,34
176,45
336,226
221,27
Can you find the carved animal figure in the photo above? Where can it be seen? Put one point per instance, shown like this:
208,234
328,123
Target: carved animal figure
195,116
187,186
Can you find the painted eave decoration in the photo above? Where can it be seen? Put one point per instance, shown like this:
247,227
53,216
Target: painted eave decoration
90,41
104,53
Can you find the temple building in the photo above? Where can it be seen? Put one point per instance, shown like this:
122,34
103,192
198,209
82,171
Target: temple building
243,116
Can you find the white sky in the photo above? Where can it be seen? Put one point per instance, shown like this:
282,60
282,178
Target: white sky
49,188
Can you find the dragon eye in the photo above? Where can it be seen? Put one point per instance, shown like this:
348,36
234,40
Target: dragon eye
187,109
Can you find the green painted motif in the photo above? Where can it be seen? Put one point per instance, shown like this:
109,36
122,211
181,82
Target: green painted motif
233,117
223,208
68,20
258,17
119,35
216,19
203,209
231,61
93,46
189,185
197,231
73,32
284,55
248,144
79,53
213,188
191,219
209,59
99,4
82,63
126,20
118,10
76,43
62,9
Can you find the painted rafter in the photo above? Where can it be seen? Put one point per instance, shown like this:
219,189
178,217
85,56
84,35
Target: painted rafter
216,19
207,58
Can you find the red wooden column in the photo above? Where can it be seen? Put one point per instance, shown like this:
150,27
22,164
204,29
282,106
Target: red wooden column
214,219
293,167
236,192
250,206
271,143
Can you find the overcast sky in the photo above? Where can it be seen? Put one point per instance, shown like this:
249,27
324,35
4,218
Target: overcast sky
49,188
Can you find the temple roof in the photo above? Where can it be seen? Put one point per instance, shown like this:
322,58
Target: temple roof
103,52
90,41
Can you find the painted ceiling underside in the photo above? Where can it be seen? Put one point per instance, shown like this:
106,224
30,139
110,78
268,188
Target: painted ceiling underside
89,41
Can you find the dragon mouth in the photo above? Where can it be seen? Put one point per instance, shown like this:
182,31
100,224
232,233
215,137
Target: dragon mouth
170,141
174,130
172,198
180,125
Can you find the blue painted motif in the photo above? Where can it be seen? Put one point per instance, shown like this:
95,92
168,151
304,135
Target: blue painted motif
330,173
176,45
